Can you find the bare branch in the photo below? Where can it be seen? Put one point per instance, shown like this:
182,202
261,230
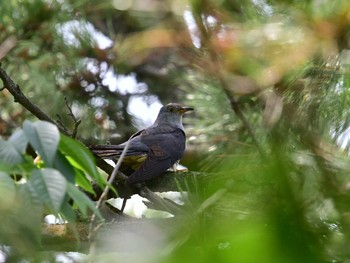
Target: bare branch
75,120
19,97
161,203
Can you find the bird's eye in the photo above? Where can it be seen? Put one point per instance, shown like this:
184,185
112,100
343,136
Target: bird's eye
171,109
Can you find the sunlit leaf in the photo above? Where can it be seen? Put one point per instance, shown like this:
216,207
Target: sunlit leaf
80,157
82,181
44,137
82,201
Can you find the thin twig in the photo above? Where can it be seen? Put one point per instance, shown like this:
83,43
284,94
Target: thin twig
115,171
107,188
75,120
61,123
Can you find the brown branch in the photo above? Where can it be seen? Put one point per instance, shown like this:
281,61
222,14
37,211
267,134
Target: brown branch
24,101
19,97
161,203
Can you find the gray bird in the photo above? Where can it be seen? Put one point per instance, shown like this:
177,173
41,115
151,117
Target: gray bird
155,149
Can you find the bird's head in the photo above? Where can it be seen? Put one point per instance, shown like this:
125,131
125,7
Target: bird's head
175,108
172,114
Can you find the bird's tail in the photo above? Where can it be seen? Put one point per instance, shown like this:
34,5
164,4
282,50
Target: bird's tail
107,151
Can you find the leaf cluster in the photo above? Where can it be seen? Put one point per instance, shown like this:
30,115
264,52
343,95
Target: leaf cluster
50,180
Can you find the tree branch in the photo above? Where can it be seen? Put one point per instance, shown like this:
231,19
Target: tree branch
25,102
19,97
115,175
161,203
76,121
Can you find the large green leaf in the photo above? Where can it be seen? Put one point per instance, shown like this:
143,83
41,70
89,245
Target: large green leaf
80,157
49,185
61,164
44,137
7,188
29,213
9,154
19,140
82,201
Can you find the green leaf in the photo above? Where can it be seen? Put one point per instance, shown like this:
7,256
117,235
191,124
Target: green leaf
68,212
7,188
83,182
19,140
9,154
49,186
61,164
29,213
44,137
82,201
81,157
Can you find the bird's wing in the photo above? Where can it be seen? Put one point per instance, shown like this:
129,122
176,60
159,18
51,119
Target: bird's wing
166,145
136,147
165,142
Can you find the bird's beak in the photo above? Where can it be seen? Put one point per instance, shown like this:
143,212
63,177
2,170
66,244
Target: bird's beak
185,109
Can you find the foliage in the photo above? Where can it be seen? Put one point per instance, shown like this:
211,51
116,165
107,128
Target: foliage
270,84
32,188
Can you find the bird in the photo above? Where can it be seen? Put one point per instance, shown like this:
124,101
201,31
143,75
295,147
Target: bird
153,150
